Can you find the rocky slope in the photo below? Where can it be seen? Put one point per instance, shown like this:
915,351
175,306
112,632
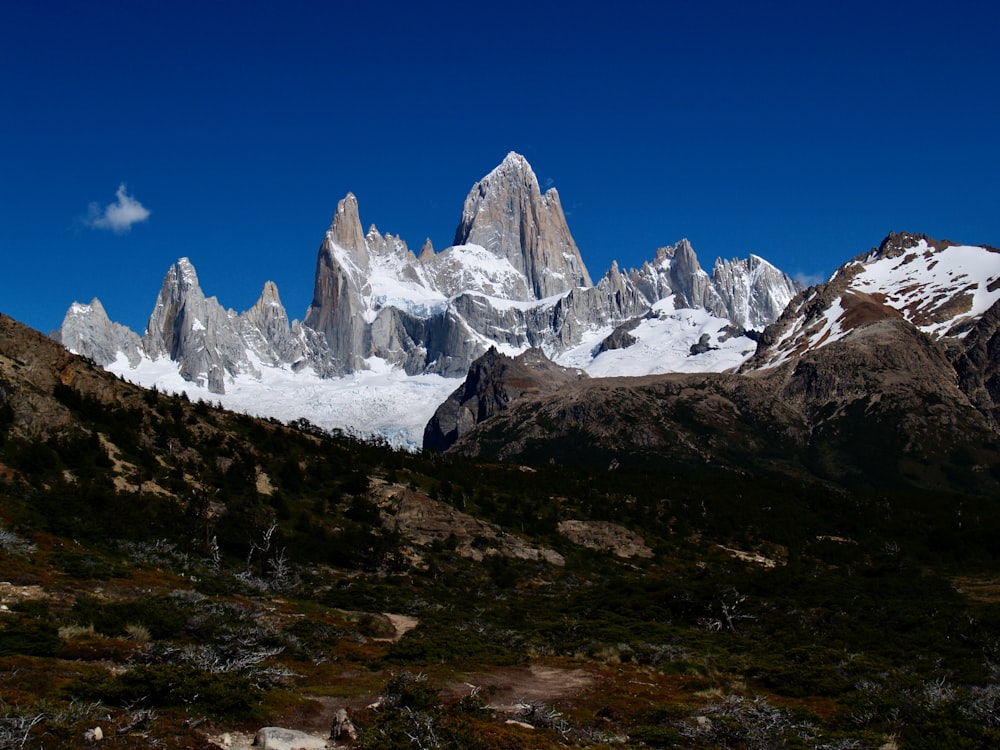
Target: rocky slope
942,288
885,376
493,382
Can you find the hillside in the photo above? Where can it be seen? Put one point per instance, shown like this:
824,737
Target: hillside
882,379
180,576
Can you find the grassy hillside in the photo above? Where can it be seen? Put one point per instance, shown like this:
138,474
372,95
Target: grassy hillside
172,572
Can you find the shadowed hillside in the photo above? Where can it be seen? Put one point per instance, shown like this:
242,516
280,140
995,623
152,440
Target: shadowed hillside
175,575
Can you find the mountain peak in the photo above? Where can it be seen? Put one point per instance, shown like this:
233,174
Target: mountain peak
897,243
345,229
514,160
270,293
87,330
181,278
506,213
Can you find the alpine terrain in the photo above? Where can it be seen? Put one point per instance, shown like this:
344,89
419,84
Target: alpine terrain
389,333
671,509
885,376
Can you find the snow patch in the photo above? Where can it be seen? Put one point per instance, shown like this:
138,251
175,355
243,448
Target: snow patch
915,281
381,402
663,345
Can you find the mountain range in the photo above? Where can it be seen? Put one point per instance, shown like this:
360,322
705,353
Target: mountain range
885,376
887,373
389,333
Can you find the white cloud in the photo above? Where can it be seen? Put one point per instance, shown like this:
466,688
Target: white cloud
118,216
810,279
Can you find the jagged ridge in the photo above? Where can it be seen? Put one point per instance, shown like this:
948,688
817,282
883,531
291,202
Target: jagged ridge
514,279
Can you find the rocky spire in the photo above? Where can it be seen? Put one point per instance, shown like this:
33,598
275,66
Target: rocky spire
87,330
426,251
345,230
195,331
337,308
506,213
266,329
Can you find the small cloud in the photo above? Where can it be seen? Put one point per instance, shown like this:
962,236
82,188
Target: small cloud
549,182
118,216
809,279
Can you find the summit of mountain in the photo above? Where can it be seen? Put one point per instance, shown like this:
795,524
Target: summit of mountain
506,213
940,287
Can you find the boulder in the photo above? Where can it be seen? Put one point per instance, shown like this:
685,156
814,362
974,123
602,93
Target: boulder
278,738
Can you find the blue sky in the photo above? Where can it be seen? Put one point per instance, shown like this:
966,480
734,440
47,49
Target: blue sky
802,132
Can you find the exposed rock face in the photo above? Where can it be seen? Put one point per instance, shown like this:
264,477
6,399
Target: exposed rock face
337,309
88,330
977,363
423,521
493,382
187,327
507,214
265,328
751,293
603,535
207,342
205,339
279,738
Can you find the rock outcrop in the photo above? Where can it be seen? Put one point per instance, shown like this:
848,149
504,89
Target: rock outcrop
88,329
423,522
279,738
506,213
494,381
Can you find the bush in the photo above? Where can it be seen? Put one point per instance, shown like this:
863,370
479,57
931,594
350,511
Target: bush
162,616
174,686
31,638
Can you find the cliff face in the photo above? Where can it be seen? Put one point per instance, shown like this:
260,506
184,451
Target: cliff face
337,308
494,381
507,214
88,329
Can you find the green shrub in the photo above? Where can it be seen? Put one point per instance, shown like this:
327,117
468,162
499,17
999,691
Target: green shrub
173,686
162,616
29,637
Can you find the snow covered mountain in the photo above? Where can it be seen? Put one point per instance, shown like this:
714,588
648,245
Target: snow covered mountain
388,332
887,376
942,288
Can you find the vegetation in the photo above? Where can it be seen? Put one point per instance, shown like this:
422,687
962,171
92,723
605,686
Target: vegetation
171,571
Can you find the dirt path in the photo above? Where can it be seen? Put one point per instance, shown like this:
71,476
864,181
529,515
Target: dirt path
504,688
402,623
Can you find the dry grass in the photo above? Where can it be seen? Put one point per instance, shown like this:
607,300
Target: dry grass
978,589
